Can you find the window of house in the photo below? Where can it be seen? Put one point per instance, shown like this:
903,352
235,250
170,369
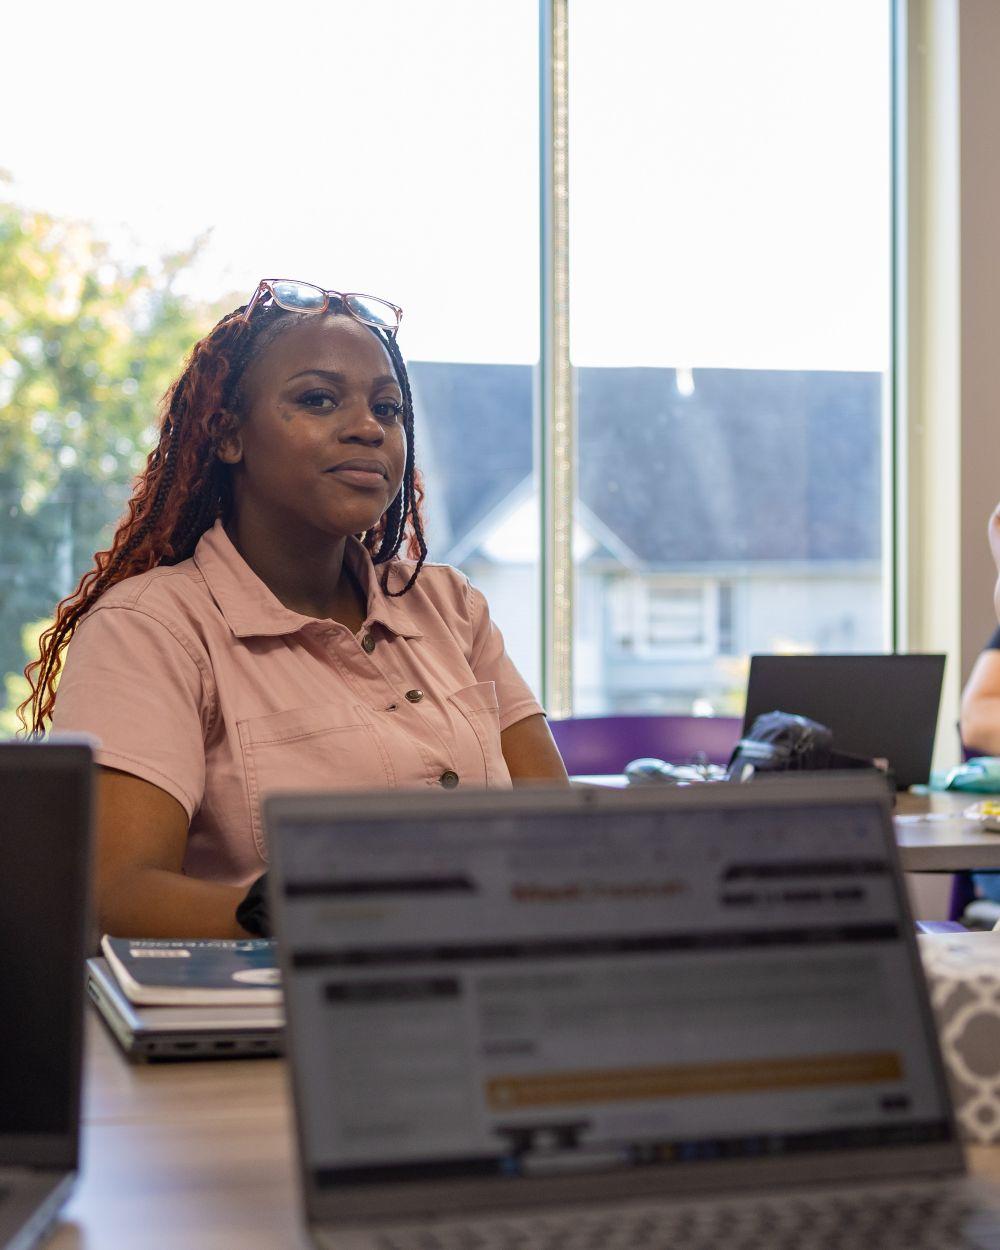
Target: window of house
661,617
681,619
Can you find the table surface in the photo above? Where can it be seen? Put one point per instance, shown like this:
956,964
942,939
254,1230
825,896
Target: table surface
199,1156
196,1155
933,835
931,832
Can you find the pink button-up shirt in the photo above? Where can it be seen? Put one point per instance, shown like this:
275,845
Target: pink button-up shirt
195,678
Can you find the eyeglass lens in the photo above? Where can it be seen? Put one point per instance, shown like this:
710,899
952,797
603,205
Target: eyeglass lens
373,310
298,295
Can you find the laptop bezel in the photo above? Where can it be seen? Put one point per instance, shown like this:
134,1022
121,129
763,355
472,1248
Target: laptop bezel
374,1204
54,763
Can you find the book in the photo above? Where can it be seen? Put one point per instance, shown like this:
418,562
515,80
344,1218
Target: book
173,972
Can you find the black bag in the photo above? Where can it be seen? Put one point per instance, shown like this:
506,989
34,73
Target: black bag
784,742
253,912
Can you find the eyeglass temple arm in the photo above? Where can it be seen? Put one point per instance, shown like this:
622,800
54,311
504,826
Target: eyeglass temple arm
262,286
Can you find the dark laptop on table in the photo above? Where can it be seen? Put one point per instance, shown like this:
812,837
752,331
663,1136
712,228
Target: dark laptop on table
45,835
596,1018
878,706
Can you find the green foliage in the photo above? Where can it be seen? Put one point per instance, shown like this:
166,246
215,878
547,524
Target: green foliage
15,685
88,344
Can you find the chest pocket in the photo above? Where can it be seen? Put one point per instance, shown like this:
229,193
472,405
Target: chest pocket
478,704
311,748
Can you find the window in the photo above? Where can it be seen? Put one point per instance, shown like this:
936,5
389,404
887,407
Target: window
404,163
730,207
730,334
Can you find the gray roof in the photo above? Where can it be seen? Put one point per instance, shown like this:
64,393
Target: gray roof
754,465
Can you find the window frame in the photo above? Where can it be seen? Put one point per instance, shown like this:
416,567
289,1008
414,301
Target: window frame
556,430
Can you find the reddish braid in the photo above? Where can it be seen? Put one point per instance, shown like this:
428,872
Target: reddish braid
185,487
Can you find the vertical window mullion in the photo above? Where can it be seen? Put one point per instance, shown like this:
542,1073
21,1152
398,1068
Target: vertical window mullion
556,452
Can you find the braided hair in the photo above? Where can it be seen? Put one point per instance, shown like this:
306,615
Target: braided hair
185,487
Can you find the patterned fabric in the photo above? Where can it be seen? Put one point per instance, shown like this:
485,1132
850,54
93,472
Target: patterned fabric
963,971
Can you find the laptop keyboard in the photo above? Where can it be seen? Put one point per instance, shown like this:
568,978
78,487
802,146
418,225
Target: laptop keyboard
900,1219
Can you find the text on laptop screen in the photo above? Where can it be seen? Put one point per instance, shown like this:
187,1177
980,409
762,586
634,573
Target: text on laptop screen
563,993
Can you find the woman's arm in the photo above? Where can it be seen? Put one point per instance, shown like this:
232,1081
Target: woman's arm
979,718
140,889
980,714
531,753
993,535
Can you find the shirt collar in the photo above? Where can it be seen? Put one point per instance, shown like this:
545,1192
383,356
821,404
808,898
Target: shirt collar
250,609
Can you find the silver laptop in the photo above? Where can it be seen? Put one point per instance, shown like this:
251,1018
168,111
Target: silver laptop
198,1032
45,838
599,1018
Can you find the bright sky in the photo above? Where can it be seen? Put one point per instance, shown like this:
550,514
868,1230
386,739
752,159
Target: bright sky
729,163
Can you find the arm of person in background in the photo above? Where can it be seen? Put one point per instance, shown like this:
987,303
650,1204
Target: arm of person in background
979,719
980,711
531,753
140,890
993,534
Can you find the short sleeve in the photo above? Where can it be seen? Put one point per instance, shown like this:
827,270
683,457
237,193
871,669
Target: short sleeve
489,661
142,691
994,642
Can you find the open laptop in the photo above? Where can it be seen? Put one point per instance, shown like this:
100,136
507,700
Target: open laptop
45,841
878,706
185,1032
687,1017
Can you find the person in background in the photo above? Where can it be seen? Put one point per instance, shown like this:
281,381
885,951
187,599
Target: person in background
979,720
254,626
980,709
979,725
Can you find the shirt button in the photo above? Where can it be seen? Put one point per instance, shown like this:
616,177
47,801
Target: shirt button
368,644
415,696
448,779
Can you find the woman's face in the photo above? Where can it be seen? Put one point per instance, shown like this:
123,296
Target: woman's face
321,445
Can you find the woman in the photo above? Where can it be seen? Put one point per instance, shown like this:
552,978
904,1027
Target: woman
980,713
253,627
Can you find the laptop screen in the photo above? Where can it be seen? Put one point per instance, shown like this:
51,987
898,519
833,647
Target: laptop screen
44,858
597,990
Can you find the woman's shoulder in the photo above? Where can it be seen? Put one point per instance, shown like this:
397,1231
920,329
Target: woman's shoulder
441,587
174,595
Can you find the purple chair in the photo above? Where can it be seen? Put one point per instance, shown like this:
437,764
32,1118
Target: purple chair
605,744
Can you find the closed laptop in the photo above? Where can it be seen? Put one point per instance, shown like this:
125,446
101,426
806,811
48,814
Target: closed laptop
45,849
